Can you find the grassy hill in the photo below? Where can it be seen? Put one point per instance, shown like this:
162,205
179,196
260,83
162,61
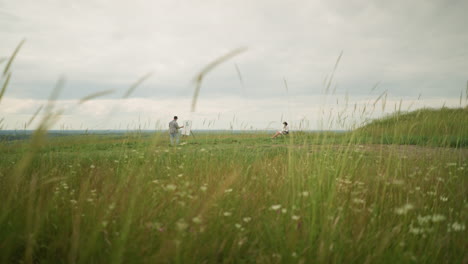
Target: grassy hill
432,127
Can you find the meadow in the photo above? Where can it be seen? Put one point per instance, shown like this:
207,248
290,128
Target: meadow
363,196
391,191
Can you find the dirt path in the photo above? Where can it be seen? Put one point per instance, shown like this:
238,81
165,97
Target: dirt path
404,150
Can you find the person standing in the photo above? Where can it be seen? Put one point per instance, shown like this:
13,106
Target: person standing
174,131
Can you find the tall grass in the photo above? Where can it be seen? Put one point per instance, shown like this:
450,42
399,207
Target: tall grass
222,199
305,198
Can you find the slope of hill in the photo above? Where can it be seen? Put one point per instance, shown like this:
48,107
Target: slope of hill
432,127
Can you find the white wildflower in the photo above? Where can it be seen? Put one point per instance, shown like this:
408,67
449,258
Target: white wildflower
358,201
398,182
422,220
295,217
242,241
181,225
457,227
197,220
438,218
247,219
171,187
227,213
275,207
416,231
404,209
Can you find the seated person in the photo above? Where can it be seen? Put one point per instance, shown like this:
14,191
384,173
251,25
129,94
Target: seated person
285,130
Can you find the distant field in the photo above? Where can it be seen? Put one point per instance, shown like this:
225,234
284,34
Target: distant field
363,197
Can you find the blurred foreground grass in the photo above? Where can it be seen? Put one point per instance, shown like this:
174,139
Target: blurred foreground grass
361,196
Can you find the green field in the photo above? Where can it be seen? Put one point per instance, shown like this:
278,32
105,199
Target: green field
394,191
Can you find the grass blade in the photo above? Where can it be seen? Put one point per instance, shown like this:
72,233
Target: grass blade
239,75
375,86
54,95
286,85
466,91
10,61
334,70
199,77
5,84
380,96
94,95
34,116
461,97
136,84
241,80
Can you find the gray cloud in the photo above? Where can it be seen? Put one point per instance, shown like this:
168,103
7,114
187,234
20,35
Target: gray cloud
410,47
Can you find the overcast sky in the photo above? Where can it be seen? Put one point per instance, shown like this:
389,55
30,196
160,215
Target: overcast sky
416,50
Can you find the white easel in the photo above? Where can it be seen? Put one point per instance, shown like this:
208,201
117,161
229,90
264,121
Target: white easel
187,129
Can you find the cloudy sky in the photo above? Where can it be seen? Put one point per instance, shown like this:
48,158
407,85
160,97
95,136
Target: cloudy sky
416,51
